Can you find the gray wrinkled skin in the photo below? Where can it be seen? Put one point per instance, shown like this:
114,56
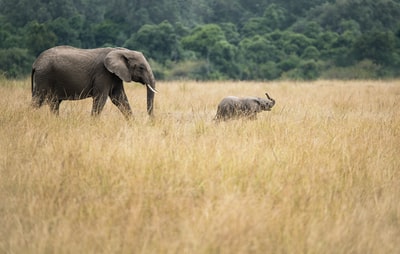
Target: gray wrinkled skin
233,107
68,73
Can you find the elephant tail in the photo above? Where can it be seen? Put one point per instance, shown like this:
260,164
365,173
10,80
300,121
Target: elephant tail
33,84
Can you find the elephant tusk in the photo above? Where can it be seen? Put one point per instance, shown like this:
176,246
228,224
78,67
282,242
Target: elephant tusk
152,89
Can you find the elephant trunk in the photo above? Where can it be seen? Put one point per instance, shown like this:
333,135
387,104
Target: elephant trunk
151,90
270,98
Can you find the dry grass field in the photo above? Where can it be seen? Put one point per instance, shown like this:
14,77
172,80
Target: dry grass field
320,173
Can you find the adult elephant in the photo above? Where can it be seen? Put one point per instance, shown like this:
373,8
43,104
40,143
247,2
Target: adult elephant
68,73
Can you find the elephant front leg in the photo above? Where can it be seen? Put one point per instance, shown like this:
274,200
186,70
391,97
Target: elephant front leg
119,99
252,116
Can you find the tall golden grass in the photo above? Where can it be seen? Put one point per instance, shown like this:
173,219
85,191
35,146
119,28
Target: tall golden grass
320,173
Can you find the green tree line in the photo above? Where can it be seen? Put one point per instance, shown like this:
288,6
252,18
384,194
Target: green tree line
214,39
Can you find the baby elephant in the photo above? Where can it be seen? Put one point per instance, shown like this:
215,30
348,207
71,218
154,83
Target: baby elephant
232,107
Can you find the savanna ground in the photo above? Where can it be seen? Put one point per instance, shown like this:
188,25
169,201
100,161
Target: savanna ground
320,173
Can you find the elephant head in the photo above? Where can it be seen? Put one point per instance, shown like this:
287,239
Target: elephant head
266,104
130,66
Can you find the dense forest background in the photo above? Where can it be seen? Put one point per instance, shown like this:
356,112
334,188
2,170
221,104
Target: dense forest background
214,39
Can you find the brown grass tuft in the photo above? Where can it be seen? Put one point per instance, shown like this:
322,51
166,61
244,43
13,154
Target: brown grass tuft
317,174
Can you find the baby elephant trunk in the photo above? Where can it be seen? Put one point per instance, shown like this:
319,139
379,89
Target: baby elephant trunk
273,101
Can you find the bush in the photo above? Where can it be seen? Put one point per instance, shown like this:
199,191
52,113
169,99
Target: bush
310,52
306,70
15,62
191,69
362,70
289,63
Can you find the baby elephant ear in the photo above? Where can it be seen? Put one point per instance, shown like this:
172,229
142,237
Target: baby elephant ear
116,63
257,100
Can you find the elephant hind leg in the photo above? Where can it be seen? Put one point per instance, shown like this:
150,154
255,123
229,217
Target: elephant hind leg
221,114
98,104
37,101
55,105
217,118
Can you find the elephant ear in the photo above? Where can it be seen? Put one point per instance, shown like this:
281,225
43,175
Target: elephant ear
116,63
256,100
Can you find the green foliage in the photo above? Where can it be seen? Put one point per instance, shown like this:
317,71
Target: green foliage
369,14
309,69
209,42
158,42
67,30
275,17
377,46
191,69
204,39
310,29
105,33
310,52
255,26
15,62
289,63
39,37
